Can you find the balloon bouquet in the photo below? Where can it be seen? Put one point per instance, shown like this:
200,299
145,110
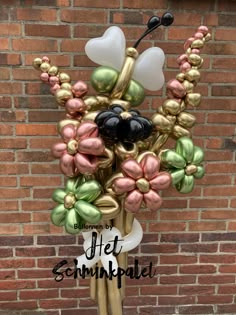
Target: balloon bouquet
112,156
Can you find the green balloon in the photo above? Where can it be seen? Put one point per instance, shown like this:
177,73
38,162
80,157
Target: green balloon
198,156
185,148
88,191
171,159
72,184
186,185
177,175
134,94
72,222
103,79
88,212
58,195
200,172
58,215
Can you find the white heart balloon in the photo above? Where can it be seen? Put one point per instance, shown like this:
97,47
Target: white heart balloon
148,69
108,50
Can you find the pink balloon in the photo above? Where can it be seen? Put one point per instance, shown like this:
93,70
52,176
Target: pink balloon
175,89
152,200
203,29
67,165
68,132
195,51
132,169
59,149
75,105
188,42
54,88
185,67
150,165
80,89
87,129
123,185
133,201
84,164
44,76
198,35
92,146
45,59
182,58
53,80
161,181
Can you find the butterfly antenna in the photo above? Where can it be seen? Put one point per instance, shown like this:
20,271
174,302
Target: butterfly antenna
154,22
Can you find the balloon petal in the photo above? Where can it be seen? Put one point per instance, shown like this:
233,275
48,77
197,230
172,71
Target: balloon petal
150,165
123,185
200,172
86,164
72,222
170,158
153,200
58,195
93,146
185,148
108,50
68,132
133,201
106,259
186,185
87,129
198,155
161,181
59,149
58,215
177,176
88,212
72,184
88,191
67,165
132,169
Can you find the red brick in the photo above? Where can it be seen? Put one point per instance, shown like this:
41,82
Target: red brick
35,130
7,275
196,290
175,300
83,16
19,305
17,284
197,269
177,279
97,4
220,259
57,303
207,226
8,296
163,226
177,259
196,309
42,45
179,215
18,263
215,299
4,43
35,14
38,294
216,279
35,251
47,30
15,217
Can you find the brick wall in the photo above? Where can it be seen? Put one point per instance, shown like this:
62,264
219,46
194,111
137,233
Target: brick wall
192,239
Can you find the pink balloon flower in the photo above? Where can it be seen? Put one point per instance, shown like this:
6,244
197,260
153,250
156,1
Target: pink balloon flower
80,150
141,183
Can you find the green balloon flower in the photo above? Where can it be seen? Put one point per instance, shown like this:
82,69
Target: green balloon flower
183,163
75,208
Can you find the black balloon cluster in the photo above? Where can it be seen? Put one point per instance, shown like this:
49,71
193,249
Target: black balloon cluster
117,124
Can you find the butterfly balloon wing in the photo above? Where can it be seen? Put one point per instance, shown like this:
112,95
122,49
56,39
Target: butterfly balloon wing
148,69
108,50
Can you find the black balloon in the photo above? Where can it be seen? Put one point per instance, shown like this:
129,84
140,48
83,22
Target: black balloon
116,127
167,19
154,21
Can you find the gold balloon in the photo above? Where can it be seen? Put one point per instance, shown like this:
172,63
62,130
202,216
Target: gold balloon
65,122
207,37
37,63
106,160
62,96
91,115
125,104
53,70
197,43
180,77
124,153
186,120
195,59
179,131
193,99
66,86
161,123
108,206
188,86
94,103
192,75
64,77
45,66
171,107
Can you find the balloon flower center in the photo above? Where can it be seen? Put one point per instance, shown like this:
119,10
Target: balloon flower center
190,169
125,115
143,185
72,147
69,201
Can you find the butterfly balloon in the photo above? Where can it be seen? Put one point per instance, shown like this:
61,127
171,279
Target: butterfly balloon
124,73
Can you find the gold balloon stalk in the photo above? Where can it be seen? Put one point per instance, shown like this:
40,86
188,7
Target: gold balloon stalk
113,156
